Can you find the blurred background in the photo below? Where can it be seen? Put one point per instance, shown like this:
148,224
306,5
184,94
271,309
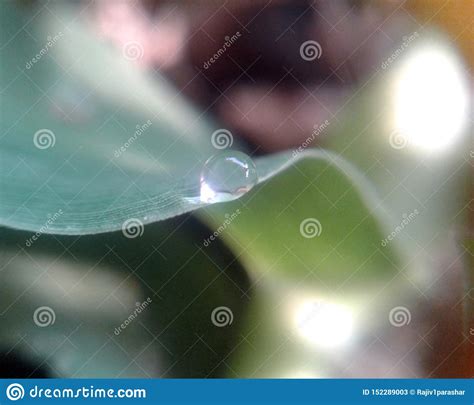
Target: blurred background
307,276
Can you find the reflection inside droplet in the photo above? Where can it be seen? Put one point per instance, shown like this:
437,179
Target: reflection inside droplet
227,176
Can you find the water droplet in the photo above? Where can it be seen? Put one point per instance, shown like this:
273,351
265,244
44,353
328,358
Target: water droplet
227,176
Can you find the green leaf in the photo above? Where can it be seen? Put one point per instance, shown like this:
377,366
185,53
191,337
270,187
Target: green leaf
312,234
80,178
413,175
92,144
93,283
81,185
376,250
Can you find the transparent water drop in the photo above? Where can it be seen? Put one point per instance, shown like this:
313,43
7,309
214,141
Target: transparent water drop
227,176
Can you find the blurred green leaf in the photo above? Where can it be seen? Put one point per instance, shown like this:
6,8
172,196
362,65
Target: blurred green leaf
94,283
311,234
376,250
